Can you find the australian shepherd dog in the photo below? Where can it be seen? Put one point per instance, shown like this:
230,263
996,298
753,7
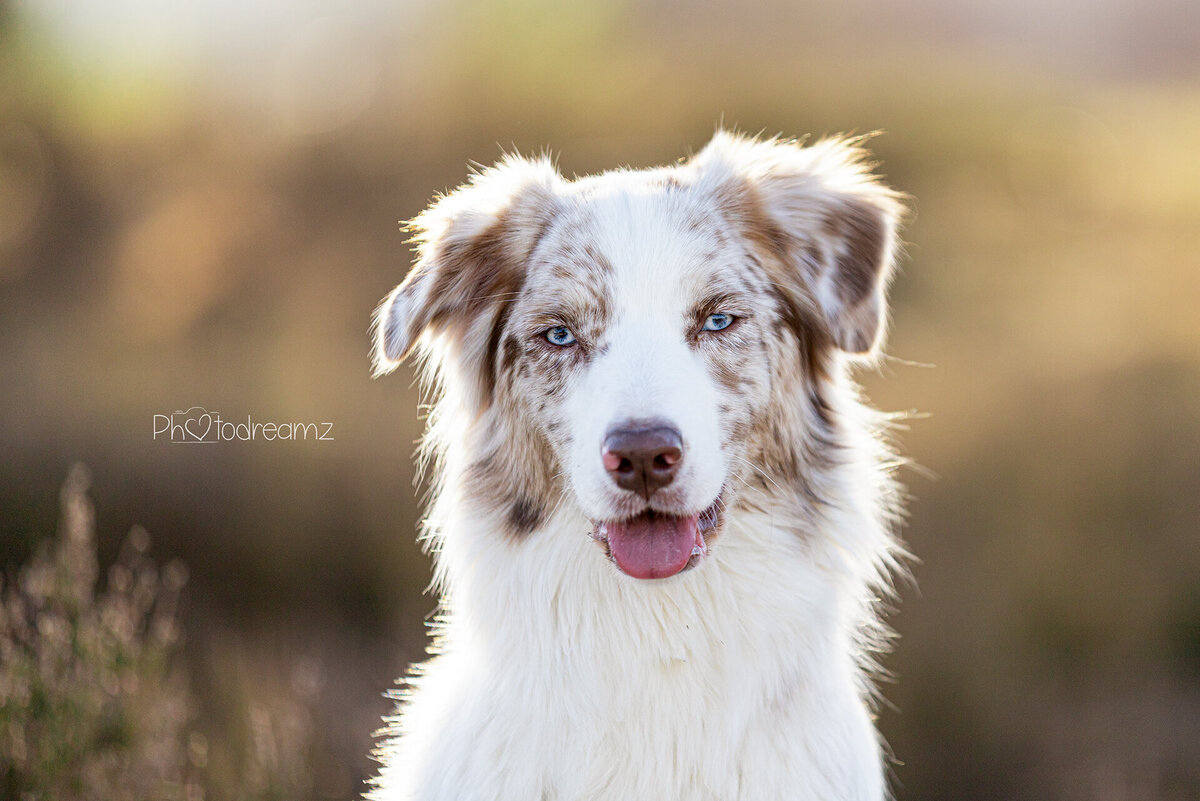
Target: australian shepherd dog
662,517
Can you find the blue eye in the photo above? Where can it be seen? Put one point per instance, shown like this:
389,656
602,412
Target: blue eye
718,322
560,335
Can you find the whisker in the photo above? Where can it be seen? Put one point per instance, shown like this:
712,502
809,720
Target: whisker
758,470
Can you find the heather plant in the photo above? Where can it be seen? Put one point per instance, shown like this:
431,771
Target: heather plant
91,707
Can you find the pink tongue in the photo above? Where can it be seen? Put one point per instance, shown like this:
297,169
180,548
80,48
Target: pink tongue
653,546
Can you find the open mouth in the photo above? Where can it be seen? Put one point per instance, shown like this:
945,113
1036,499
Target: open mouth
654,545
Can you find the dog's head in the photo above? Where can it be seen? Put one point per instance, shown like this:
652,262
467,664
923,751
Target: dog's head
646,344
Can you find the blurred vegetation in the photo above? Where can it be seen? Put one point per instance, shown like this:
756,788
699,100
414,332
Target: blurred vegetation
89,705
210,221
94,704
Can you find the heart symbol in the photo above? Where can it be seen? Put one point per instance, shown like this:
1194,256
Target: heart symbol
204,420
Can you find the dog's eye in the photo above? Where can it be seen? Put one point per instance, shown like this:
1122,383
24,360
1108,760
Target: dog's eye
719,321
560,335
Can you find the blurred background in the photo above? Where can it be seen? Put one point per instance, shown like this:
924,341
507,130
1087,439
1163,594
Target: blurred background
199,206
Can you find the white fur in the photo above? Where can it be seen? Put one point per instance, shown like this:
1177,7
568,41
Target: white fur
558,678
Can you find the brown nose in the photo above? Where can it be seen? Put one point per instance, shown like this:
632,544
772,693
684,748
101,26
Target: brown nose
643,459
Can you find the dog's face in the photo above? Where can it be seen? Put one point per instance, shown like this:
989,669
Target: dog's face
645,344
635,342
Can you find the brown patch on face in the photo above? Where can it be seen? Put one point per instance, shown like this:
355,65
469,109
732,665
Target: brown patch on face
813,340
524,516
596,260
511,352
798,431
488,374
733,356
726,373
791,437
524,431
735,360
569,284
512,475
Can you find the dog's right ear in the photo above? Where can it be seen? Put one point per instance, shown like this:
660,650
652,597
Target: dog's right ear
472,246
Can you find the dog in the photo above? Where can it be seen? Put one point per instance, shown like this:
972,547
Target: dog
663,520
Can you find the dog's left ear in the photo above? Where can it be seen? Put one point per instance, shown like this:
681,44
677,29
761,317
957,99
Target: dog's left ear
472,245
823,216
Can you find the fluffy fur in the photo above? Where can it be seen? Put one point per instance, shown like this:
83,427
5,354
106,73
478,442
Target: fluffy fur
554,676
